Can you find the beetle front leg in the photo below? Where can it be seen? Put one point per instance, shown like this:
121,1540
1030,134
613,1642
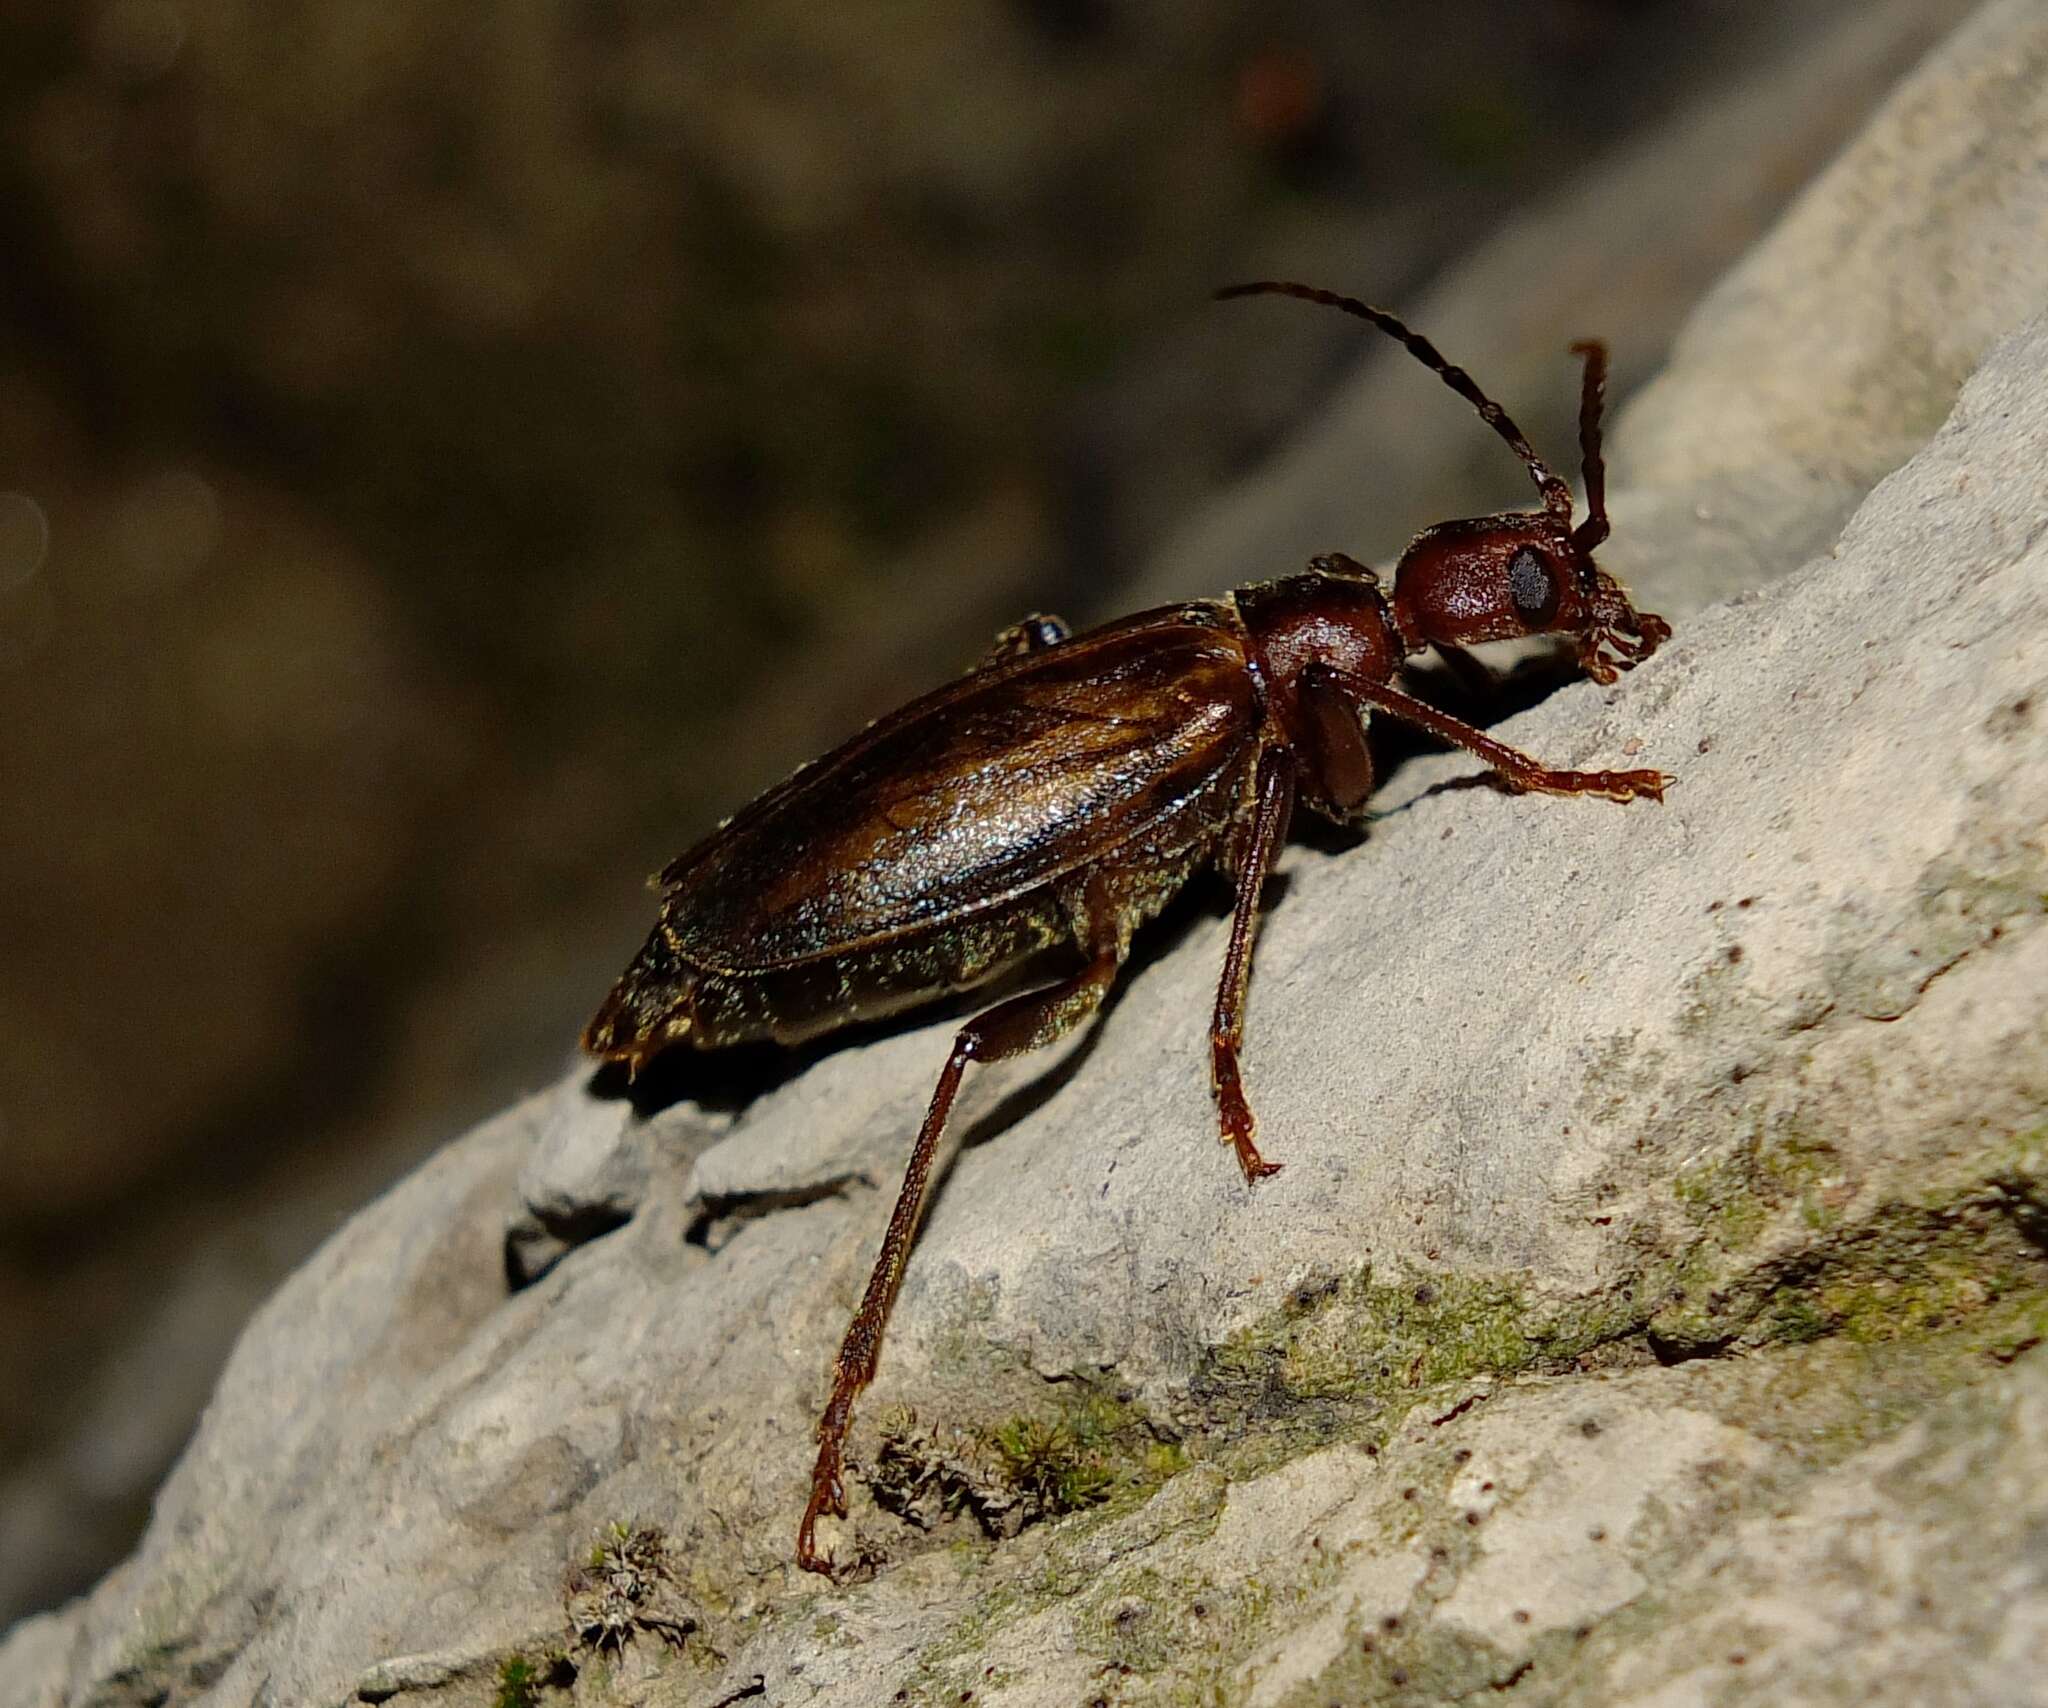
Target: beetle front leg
1518,768
1274,805
1035,633
1009,1029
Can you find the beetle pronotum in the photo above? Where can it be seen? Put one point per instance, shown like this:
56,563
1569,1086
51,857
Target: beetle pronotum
1057,797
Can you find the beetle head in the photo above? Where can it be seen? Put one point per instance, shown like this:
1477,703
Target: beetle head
1528,572
1501,577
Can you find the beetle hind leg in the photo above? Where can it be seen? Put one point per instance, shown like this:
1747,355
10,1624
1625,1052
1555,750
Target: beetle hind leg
1263,835
1010,1028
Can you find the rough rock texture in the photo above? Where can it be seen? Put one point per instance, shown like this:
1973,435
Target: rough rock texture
1652,1309
1823,359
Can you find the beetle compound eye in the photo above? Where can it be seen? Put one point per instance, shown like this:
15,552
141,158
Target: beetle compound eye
1532,587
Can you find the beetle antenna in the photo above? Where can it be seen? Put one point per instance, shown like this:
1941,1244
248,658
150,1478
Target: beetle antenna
1557,497
1592,394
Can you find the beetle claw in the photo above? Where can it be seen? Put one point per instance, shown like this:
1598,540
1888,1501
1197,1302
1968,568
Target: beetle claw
824,1502
1256,1168
1635,785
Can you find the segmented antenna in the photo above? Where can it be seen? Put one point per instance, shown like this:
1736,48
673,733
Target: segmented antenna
1557,497
1592,394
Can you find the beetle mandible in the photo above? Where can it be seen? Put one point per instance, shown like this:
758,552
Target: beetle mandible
1057,797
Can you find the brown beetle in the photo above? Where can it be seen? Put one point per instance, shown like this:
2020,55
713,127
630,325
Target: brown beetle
1058,796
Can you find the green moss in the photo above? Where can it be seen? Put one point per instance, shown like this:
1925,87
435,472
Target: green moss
1736,1195
1846,1395
1795,1318
1905,1267
1098,1450
1047,1463
1773,1261
1092,1449
1378,1345
1883,1307
1420,1667
519,1684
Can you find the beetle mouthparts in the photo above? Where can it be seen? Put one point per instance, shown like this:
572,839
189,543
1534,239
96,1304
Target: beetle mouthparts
1619,637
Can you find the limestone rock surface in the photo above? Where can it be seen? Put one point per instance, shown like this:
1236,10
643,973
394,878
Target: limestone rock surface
1653,1308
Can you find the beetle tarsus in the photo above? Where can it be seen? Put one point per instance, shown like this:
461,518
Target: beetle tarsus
828,1499
1239,1125
1628,785
1621,786
1256,1168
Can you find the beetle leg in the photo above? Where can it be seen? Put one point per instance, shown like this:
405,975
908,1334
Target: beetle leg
1268,830
1472,674
1009,1029
1035,633
1518,768
1336,760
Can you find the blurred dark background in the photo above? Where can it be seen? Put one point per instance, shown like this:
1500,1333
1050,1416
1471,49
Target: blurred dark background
450,454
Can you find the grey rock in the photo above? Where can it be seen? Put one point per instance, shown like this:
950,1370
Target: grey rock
588,1175
1913,1571
402,1673
1832,350
1659,1275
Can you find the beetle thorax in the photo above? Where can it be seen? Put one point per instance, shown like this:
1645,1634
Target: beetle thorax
1340,621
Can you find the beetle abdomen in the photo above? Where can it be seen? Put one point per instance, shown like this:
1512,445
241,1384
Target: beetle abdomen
793,1003
651,1007
663,999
